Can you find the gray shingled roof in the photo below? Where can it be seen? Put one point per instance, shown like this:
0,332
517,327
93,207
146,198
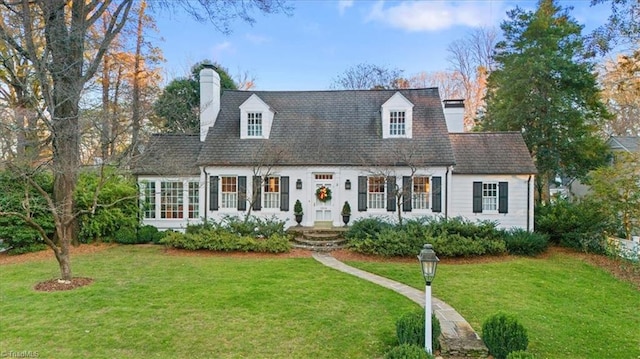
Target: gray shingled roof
329,128
627,143
167,154
491,153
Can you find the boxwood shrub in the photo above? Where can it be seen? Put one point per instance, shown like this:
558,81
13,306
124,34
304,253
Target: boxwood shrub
410,329
222,240
522,242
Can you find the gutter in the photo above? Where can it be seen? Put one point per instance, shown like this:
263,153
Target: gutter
206,192
446,193
529,204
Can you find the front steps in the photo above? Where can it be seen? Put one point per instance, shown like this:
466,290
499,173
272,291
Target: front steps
318,239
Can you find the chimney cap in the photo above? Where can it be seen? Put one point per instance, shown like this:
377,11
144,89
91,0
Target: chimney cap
454,103
209,66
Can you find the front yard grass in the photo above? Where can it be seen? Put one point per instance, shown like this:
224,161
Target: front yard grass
570,308
144,303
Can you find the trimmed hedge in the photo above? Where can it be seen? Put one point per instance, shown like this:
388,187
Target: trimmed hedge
225,241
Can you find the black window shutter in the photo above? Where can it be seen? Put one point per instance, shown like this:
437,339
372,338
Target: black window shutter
284,193
406,193
391,194
436,194
242,193
257,193
213,193
477,197
362,193
503,197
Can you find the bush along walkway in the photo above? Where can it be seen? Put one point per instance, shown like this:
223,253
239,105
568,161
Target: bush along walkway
458,339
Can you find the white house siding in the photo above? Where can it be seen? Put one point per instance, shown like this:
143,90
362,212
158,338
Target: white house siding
178,224
306,195
520,202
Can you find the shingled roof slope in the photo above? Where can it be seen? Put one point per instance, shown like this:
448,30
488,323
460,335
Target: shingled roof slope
627,143
329,128
169,154
491,153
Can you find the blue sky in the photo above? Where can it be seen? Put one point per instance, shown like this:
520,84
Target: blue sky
321,39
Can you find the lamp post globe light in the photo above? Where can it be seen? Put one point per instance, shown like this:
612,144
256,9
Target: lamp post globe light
428,263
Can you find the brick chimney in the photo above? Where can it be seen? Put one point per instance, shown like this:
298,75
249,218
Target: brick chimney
454,115
209,99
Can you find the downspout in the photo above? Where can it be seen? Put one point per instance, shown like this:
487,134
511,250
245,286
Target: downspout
446,193
206,193
529,204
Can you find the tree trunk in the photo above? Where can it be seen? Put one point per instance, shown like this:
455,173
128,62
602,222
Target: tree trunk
137,74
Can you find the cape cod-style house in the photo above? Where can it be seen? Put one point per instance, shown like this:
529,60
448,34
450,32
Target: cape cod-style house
379,150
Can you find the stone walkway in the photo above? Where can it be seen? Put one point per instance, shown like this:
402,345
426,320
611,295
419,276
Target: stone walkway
458,338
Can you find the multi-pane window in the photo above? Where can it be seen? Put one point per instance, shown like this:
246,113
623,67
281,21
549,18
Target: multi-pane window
420,196
397,123
229,192
271,192
194,199
148,193
489,196
254,124
171,200
375,190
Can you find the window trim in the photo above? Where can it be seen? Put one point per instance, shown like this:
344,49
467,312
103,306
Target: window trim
255,127
400,125
380,202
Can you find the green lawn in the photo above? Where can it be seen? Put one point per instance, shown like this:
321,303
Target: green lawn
570,308
144,303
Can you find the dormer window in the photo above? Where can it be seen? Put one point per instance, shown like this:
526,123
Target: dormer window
256,118
397,117
254,124
397,124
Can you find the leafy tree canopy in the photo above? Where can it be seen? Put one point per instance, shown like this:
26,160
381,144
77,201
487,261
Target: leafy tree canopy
179,103
545,88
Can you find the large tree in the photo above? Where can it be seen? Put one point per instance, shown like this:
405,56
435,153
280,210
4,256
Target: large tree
546,89
67,60
178,105
369,77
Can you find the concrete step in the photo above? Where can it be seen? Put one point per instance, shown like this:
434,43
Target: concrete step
320,243
316,248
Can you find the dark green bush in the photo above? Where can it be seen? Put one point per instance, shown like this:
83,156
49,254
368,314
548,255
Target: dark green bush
523,242
149,234
389,243
127,235
455,245
578,225
17,195
118,210
503,334
410,329
366,228
222,240
407,351
253,226
521,354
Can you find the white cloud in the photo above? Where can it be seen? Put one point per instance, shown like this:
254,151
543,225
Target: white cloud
343,5
257,39
437,15
224,47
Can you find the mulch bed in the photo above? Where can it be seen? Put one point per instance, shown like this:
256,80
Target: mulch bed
55,285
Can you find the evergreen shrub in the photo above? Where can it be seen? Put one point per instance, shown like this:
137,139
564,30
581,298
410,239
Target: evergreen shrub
408,351
410,329
503,334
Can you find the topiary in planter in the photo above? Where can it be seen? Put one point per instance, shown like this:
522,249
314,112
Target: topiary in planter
503,334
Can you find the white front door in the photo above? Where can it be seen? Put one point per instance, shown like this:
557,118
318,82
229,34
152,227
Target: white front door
322,208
